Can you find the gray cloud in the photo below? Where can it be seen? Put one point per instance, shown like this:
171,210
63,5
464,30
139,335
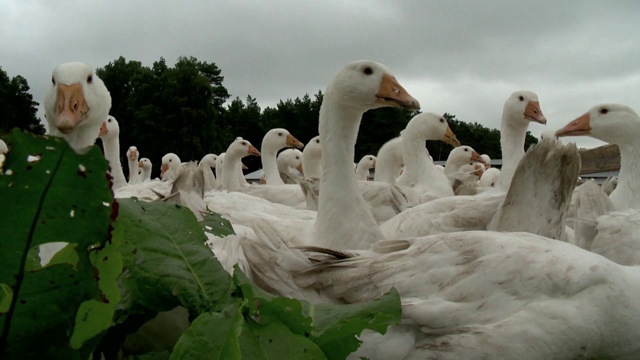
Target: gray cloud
461,57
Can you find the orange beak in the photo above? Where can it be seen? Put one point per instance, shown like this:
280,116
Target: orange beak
533,112
391,93
476,157
133,154
293,142
450,138
71,107
140,164
103,129
163,169
253,151
299,168
578,127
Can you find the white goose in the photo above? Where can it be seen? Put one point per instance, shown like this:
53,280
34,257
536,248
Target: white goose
615,232
289,159
311,156
109,133
218,169
458,157
146,166
133,156
419,171
459,213
389,161
76,105
207,163
272,142
363,167
275,190
170,167
343,218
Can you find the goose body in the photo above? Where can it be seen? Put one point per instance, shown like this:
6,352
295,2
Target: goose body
76,105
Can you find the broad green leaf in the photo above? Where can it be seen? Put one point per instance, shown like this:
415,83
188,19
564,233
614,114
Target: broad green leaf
332,327
275,341
217,225
212,336
95,317
6,295
49,194
67,255
166,261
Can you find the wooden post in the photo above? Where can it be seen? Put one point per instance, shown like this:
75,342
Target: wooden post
600,159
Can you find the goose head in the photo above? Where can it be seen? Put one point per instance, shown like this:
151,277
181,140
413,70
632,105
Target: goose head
367,85
430,126
311,155
170,167
611,123
276,139
241,148
133,154
487,160
76,104
463,155
523,107
145,164
110,129
290,158
209,160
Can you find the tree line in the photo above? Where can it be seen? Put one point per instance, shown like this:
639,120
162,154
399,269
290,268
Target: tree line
185,109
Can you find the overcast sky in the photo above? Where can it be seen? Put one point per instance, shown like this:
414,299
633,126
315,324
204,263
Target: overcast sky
461,57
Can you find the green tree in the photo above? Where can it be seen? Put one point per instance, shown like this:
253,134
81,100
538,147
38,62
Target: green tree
166,109
18,108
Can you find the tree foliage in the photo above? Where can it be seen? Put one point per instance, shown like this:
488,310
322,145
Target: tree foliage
17,105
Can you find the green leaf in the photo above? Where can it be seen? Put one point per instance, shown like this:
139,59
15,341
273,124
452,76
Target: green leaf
212,336
332,327
6,295
217,225
274,341
166,261
49,194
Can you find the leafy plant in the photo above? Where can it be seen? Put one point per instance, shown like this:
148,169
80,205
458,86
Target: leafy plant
129,261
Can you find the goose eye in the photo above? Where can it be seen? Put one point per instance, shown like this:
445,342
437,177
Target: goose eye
53,81
604,111
466,149
279,134
317,141
367,71
89,78
521,98
441,120
244,143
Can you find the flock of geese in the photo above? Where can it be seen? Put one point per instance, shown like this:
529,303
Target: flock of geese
524,266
